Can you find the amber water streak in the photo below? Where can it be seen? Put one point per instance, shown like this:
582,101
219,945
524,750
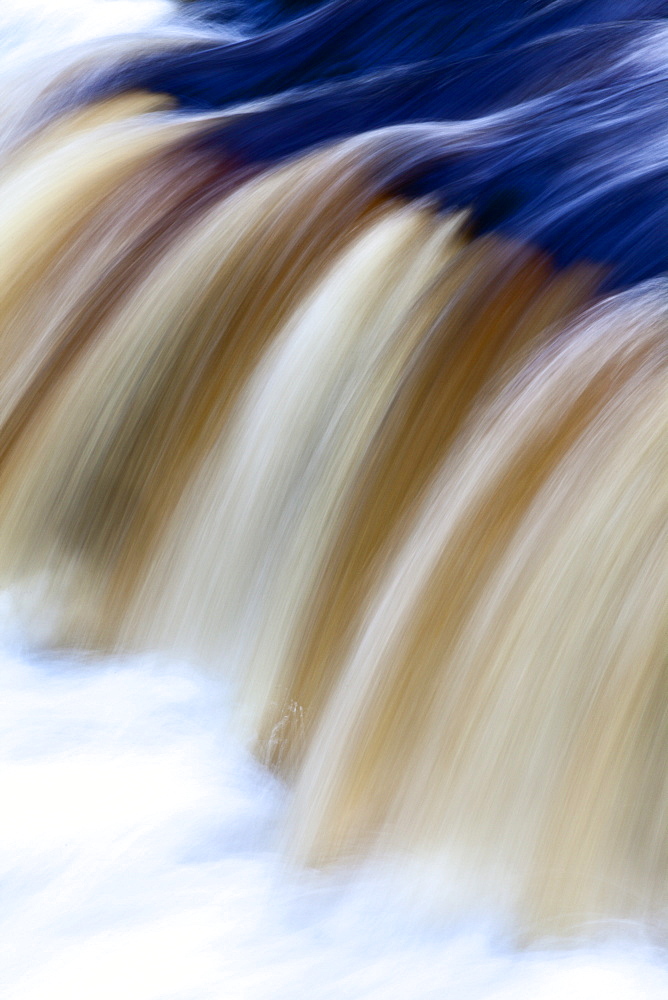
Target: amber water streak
484,715
404,488
189,337
478,315
107,260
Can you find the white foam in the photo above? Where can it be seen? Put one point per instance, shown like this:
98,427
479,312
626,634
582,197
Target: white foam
47,25
138,861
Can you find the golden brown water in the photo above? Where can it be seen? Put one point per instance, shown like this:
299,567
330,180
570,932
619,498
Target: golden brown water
405,488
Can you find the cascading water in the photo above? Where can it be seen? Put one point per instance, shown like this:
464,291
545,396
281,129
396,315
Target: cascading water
333,349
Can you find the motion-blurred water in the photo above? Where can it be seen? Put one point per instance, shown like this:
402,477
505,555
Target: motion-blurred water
142,846
138,860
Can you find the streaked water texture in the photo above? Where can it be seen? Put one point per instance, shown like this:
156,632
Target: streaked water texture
333,348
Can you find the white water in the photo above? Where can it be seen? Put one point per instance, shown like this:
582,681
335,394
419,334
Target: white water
137,861
138,855
28,26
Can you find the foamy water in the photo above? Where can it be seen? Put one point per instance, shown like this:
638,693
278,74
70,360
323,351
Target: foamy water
28,25
139,860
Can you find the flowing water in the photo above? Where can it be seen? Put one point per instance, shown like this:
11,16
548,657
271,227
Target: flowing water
333,466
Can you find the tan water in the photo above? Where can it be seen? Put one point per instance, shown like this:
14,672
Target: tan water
410,485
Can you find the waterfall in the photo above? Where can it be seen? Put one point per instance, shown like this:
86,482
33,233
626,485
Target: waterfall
334,364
